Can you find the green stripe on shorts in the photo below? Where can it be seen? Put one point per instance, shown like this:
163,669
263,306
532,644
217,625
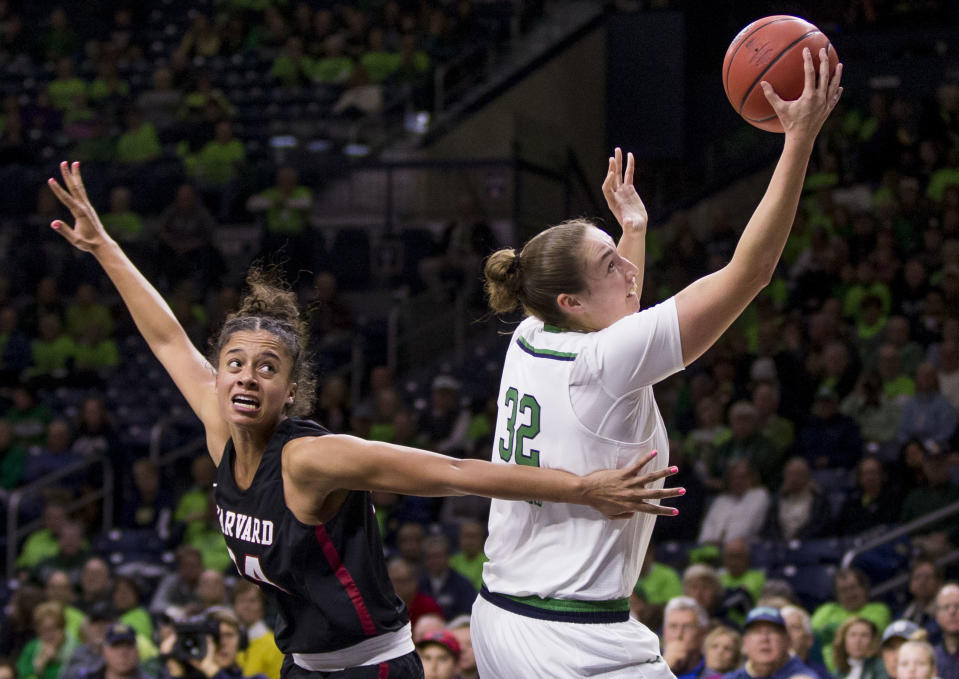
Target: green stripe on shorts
570,605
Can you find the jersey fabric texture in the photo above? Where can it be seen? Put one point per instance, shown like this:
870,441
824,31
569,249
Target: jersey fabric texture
328,582
580,402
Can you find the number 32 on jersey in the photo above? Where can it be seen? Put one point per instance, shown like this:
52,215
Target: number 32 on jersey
522,424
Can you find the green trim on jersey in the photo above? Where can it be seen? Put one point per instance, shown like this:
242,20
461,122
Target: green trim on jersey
544,353
571,605
552,328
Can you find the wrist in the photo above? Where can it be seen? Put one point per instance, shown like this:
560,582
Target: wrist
103,246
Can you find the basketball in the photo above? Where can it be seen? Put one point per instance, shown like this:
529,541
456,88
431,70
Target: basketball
770,49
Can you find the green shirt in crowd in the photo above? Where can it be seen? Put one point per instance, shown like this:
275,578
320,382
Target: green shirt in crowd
829,616
659,585
471,569
40,545
752,581
52,670
93,357
139,145
216,163
123,226
63,92
50,357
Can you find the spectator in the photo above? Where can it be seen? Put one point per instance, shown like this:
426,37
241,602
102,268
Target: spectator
285,207
139,142
227,645
685,623
334,67
702,583
895,383
856,650
49,650
460,628
191,509
52,352
948,370
440,654
444,425
28,418
292,67
747,442
201,40
722,650
766,648
947,616
656,586
426,625
771,424
96,584
180,587
59,40
13,459
925,580
939,491
121,659
917,660
57,587
452,591
872,503
217,167
802,642
65,88
403,576
740,510
705,438
185,236
211,589
158,106
469,560
852,600
42,544
736,571
126,602
927,415
876,413
800,510
409,542
893,637
150,505
16,625
898,335
829,438
261,655
14,345
121,222
72,552
87,658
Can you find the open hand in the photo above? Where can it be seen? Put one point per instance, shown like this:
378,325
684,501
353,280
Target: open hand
87,233
620,493
806,115
621,196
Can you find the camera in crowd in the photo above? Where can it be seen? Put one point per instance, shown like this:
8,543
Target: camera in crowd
191,638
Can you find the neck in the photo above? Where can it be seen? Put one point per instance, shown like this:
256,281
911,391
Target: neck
756,669
250,444
951,642
111,674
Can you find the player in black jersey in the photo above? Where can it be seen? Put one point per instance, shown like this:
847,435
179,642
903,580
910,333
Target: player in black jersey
292,499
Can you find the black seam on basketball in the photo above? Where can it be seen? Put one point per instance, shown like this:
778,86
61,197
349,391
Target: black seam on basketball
759,120
771,64
746,37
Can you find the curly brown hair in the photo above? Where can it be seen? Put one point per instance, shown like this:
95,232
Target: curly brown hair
271,306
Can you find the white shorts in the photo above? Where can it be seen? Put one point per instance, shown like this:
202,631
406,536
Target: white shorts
512,646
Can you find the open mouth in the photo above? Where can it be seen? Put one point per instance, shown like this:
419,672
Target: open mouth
247,404
632,289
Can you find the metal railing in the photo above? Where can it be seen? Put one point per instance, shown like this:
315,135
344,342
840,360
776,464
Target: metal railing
15,532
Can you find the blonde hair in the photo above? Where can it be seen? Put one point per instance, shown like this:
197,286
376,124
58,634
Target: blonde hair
550,264
839,655
723,630
918,640
52,610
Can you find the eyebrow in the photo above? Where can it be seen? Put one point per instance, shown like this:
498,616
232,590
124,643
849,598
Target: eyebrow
609,253
267,353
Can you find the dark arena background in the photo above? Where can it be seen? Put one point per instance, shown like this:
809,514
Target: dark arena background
375,153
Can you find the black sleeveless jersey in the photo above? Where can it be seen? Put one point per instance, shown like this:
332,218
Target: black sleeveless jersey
328,582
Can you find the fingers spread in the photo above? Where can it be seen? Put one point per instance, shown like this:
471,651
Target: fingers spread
630,167
809,70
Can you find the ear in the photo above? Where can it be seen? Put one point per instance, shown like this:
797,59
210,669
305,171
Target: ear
292,394
569,304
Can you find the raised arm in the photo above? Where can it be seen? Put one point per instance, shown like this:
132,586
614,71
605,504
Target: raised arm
630,212
192,373
710,305
319,466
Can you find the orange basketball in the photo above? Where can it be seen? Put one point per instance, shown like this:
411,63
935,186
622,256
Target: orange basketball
770,49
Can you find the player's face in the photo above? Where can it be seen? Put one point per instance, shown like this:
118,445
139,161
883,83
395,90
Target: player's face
611,283
253,379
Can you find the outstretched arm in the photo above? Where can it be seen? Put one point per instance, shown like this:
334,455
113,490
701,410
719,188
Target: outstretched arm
319,466
192,373
630,212
710,305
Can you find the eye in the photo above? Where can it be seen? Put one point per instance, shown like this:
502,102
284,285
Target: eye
268,367
612,265
233,363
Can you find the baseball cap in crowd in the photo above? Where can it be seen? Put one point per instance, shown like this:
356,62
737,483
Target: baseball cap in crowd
120,633
900,629
444,638
765,614
102,611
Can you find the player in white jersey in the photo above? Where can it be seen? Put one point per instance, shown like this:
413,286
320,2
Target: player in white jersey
576,394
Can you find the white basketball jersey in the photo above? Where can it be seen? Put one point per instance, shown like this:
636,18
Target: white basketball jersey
565,551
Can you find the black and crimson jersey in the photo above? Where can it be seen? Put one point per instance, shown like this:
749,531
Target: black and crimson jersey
329,582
